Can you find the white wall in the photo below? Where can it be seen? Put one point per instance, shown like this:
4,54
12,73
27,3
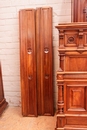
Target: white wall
9,41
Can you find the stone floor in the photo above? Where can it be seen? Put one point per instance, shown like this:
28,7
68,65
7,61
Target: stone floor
11,119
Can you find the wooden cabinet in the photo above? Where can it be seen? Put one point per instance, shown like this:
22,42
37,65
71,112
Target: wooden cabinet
36,61
3,102
79,10
72,77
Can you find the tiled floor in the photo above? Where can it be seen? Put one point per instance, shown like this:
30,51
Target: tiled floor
11,119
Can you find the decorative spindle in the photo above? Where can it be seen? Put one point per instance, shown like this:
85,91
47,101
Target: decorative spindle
60,97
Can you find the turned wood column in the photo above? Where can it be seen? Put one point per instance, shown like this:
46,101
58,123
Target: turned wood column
60,85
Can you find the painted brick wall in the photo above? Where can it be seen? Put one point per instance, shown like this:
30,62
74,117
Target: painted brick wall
9,41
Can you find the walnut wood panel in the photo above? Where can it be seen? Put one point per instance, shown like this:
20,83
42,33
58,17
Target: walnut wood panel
79,63
44,60
28,62
3,102
76,97
66,122
79,10
72,77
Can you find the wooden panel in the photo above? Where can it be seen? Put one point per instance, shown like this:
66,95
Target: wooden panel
79,10
76,121
71,39
61,121
44,60
74,12
72,122
28,62
75,97
84,4
79,63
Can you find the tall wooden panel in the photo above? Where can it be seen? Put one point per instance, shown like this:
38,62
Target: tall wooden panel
44,60
28,62
79,10
3,102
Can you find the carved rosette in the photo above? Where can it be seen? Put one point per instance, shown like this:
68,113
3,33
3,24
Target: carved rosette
72,40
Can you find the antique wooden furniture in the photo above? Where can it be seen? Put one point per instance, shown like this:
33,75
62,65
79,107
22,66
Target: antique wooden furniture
72,77
44,60
36,61
3,102
79,10
28,62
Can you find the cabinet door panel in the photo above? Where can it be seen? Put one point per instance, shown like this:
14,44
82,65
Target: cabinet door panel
76,97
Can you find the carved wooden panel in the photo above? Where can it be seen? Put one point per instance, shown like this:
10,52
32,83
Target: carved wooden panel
44,60
75,97
71,39
28,62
